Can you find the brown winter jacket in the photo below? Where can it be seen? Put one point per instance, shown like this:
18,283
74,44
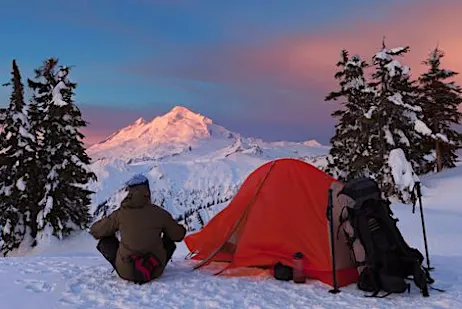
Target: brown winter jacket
140,224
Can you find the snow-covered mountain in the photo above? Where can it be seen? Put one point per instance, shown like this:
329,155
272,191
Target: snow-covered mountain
191,161
175,132
180,131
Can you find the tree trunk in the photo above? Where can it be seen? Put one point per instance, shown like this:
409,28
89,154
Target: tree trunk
33,225
439,160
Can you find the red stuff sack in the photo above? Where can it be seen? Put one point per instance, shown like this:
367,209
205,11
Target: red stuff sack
144,267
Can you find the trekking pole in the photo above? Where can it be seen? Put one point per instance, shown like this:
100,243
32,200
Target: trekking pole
335,290
419,195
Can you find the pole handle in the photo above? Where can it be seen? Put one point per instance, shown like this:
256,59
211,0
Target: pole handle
418,189
330,205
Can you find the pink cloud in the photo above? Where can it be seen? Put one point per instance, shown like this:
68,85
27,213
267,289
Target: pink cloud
286,79
421,27
311,59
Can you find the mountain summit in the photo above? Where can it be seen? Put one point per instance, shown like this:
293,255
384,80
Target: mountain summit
171,133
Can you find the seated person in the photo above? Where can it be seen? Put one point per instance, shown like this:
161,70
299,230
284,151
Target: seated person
144,229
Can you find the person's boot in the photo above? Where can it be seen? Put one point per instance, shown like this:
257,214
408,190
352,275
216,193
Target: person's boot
169,247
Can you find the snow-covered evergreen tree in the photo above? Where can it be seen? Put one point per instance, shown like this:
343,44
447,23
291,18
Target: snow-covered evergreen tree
17,157
63,159
440,102
39,118
398,117
349,156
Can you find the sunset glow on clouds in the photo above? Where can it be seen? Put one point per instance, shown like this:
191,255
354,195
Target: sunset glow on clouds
259,71
296,71
421,27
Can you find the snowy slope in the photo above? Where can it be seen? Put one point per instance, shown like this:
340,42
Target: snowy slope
72,274
184,178
447,183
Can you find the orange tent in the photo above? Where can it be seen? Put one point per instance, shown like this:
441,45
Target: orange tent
280,209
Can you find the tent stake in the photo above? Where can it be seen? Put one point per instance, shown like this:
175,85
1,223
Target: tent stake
330,205
419,195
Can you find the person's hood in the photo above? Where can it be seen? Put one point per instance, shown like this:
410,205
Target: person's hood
138,179
138,197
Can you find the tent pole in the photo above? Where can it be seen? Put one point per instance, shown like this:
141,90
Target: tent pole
419,195
330,206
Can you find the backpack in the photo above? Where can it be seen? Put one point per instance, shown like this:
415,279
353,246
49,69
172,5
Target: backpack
388,260
144,267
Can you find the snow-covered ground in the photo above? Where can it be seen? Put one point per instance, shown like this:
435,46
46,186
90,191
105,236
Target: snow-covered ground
72,274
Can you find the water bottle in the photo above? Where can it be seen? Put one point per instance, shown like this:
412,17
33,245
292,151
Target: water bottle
299,274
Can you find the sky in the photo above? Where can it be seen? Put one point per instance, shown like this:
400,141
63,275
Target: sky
258,67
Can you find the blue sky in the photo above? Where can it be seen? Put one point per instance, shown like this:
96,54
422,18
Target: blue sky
141,59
